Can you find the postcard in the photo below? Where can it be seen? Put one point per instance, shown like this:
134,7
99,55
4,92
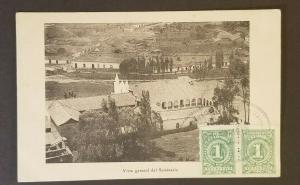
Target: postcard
139,95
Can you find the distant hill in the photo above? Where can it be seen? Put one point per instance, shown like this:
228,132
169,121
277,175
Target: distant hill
170,38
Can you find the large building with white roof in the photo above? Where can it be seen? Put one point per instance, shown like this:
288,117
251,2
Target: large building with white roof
180,102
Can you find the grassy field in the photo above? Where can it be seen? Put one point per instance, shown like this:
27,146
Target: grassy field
55,90
183,146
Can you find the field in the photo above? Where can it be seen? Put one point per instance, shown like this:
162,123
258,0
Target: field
183,146
56,90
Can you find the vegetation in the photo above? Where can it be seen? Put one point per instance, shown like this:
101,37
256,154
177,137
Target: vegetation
148,66
114,134
235,84
223,97
246,98
181,146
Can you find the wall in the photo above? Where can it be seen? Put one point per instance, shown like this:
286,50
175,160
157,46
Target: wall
89,65
54,61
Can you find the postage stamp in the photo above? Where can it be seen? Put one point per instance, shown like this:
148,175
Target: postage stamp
218,152
258,151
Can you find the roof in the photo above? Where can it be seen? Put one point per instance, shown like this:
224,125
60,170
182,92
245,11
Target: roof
94,102
99,59
226,35
61,114
170,90
56,57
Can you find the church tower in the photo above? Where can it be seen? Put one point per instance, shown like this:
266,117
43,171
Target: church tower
120,86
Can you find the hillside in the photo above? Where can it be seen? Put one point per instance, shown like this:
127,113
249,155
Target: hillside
170,38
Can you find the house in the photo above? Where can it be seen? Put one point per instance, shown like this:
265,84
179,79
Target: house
97,62
57,60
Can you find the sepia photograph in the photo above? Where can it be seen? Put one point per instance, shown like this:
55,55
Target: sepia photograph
132,92
148,95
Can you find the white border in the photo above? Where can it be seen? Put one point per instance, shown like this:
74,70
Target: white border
265,57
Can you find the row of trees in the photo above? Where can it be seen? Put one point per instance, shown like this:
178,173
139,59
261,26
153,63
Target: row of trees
143,65
114,134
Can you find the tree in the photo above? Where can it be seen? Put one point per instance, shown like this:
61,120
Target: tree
237,69
61,51
166,64
145,109
224,97
95,140
219,57
245,95
120,134
127,66
158,64
201,72
171,64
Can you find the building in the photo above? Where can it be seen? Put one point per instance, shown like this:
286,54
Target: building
180,101
120,86
56,147
95,59
100,62
67,111
58,60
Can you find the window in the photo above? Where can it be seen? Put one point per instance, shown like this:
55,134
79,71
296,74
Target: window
93,66
181,103
194,102
187,102
83,65
75,65
60,145
49,61
204,101
199,102
67,61
170,105
163,105
103,65
56,61
207,102
176,104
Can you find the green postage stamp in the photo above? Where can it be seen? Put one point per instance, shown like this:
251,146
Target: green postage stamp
258,151
217,148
